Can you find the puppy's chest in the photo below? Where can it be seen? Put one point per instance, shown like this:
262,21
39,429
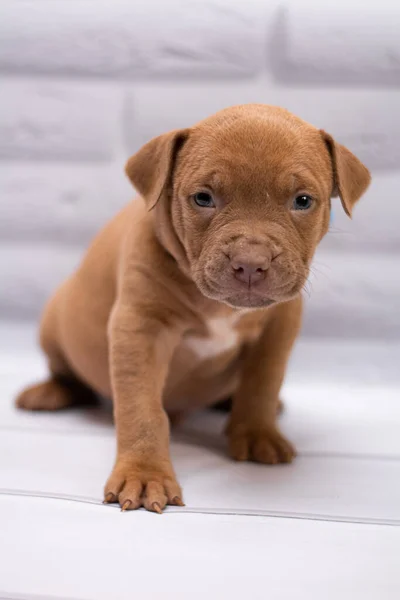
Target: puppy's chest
221,335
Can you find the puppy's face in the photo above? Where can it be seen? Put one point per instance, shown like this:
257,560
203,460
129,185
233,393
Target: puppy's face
248,200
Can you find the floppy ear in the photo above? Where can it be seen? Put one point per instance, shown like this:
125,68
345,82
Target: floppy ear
151,167
350,177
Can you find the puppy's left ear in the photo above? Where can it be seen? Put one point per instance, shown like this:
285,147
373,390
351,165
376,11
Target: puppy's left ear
350,177
150,169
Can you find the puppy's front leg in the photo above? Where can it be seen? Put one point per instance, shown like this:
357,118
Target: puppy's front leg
141,348
252,430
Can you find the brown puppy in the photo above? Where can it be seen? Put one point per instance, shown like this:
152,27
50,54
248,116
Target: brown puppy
192,294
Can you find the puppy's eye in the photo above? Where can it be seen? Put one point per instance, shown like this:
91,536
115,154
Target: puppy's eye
302,202
204,199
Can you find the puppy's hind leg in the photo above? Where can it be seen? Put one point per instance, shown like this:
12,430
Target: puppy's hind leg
62,389
56,393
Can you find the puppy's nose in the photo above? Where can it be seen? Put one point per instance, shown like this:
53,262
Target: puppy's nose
249,271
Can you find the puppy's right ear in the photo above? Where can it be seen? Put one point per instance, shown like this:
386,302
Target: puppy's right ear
150,169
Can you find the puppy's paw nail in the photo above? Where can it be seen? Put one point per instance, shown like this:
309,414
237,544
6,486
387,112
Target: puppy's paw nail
109,498
126,505
177,501
156,508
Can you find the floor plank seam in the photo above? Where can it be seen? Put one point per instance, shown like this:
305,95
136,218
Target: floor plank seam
214,511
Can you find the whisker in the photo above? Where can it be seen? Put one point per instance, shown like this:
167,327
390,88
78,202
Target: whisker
315,270
306,290
337,230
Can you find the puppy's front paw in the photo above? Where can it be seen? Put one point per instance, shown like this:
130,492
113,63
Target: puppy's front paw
264,445
134,485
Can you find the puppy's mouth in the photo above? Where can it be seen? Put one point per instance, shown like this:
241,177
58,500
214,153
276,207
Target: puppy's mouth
249,296
251,301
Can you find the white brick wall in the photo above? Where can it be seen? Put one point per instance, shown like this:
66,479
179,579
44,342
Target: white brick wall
58,121
84,83
346,42
121,38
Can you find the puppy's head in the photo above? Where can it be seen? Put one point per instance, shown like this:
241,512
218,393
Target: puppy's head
242,199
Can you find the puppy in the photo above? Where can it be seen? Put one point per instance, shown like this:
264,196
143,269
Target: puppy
192,293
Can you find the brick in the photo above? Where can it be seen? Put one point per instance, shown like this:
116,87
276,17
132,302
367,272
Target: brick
123,38
59,203
353,362
31,273
58,121
374,226
354,295
365,121
344,43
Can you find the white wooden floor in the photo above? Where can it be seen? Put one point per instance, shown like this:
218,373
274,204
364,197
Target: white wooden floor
326,527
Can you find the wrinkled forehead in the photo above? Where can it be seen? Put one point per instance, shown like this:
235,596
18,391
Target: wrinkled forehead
278,156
